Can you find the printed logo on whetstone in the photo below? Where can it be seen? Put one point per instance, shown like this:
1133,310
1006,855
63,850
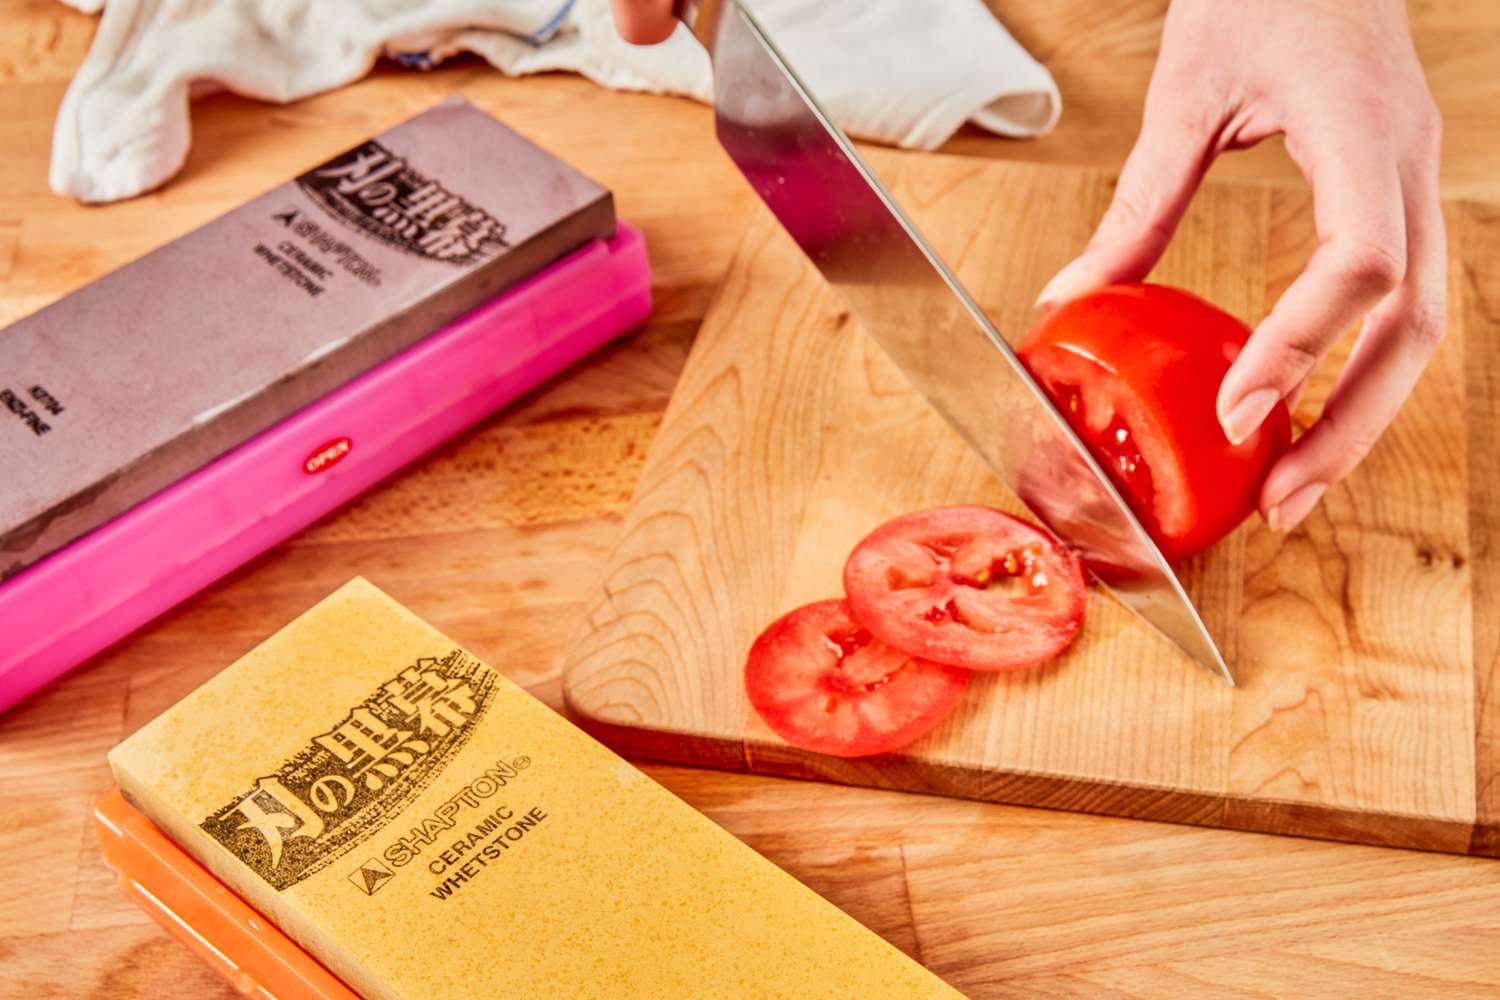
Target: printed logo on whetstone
341,789
371,875
373,189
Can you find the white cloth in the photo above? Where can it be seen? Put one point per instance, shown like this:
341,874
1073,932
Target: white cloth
898,71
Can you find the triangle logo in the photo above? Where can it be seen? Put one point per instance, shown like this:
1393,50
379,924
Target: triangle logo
371,876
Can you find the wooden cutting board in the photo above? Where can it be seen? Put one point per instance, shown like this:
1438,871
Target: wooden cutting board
1365,643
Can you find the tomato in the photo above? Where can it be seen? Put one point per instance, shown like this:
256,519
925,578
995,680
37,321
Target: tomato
1136,370
969,586
1059,486
822,682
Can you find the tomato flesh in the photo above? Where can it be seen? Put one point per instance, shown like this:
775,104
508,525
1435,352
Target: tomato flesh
968,586
1123,435
823,682
1136,371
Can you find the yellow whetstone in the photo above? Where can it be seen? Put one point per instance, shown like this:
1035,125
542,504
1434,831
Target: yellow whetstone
427,829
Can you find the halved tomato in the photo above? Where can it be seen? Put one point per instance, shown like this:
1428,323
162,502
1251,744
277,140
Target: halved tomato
1136,370
969,586
822,682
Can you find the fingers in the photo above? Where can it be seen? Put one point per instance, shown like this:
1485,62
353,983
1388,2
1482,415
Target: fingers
1395,344
1157,182
1361,258
644,22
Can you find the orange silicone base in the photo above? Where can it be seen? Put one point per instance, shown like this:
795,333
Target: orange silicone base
197,909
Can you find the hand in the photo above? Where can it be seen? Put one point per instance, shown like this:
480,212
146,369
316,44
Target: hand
1340,80
644,22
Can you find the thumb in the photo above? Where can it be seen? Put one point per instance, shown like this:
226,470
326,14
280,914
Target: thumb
1157,182
644,22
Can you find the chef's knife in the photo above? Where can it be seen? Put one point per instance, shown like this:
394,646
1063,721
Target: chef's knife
815,183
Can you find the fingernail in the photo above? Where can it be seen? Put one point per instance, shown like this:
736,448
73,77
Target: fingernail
1289,513
1076,277
1248,414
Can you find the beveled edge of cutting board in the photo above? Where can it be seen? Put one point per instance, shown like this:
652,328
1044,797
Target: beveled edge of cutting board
898,772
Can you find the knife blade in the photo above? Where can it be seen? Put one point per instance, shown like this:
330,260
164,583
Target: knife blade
821,191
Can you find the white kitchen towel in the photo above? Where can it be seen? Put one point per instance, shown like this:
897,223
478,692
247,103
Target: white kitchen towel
898,71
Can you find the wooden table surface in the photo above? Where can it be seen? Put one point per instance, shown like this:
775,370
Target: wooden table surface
499,537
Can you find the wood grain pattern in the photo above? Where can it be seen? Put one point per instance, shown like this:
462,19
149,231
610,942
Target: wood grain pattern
1479,232
1001,901
790,437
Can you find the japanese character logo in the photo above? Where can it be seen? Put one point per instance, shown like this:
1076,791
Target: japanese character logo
341,787
373,189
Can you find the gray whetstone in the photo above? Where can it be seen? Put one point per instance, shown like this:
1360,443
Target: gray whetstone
192,349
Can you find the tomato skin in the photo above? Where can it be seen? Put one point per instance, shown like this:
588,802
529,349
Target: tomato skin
1147,360
970,586
822,682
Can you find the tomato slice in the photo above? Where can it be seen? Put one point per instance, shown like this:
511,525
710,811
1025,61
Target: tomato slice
969,586
1136,371
822,682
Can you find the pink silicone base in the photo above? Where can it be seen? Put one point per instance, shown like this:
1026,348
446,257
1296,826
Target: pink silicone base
69,606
